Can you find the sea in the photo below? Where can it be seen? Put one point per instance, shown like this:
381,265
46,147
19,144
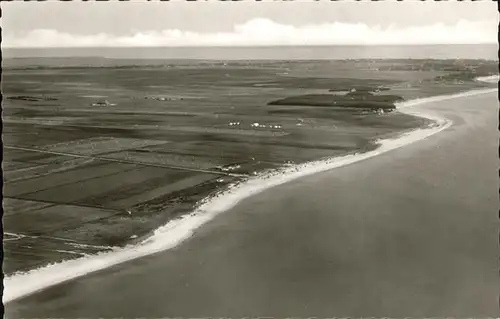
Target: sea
338,52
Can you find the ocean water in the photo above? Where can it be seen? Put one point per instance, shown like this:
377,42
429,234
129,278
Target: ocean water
481,51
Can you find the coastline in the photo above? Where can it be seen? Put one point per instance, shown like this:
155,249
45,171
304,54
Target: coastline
175,232
488,79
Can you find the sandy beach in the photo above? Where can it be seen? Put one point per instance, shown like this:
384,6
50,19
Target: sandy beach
465,118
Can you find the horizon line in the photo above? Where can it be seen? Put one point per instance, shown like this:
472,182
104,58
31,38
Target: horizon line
249,46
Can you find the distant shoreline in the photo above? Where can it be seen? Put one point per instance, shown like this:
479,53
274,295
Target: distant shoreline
255,46
293,52
176,231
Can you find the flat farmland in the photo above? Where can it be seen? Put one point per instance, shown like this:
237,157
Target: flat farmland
99,156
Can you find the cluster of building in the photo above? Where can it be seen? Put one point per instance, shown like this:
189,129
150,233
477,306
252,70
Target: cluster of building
102,103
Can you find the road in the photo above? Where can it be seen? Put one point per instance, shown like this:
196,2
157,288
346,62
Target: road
409,233
116,160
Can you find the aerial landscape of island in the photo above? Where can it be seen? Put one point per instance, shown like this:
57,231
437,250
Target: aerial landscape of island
100,153
281,160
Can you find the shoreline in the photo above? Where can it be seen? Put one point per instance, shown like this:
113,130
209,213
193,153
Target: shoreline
176,231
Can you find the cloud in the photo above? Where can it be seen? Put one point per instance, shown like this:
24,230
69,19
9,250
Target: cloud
267,32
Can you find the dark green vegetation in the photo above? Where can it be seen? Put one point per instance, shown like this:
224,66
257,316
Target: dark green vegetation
369,94
31,98
81,178
358,100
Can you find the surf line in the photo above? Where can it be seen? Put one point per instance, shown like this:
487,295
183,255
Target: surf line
176,231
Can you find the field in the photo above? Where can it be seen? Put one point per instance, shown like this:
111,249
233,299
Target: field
98,156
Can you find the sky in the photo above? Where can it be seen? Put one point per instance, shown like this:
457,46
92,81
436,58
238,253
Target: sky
210,23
